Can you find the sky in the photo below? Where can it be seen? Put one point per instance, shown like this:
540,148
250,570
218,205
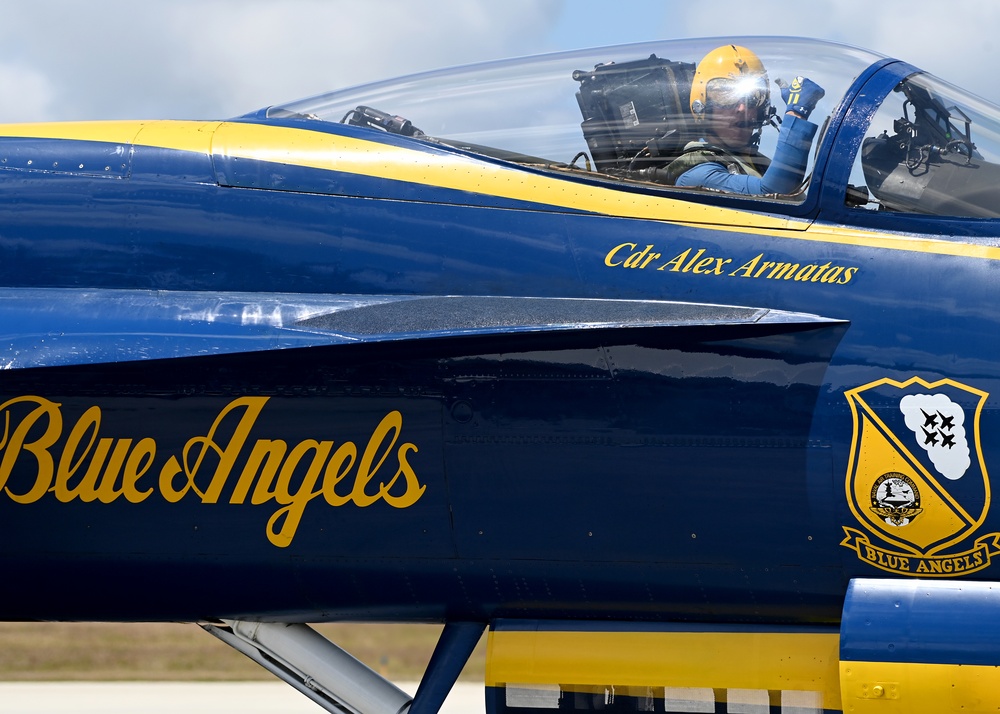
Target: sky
70,60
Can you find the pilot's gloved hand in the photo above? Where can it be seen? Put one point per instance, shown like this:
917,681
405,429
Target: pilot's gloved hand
801,95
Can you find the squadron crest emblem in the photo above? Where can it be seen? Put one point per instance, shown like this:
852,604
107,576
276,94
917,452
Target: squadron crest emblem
896,499
916,479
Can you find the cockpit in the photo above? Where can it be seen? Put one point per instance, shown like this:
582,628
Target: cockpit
624,114
931,149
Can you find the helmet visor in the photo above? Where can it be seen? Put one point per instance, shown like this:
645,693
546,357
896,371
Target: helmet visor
726,93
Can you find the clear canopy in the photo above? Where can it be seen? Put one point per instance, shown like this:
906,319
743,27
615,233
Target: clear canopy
615,111
633,112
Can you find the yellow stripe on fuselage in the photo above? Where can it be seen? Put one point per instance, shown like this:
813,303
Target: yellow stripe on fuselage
464,173
192,136
717,660
332,152
844,235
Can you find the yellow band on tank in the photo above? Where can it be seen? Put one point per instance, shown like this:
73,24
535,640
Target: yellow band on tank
717,660
907,688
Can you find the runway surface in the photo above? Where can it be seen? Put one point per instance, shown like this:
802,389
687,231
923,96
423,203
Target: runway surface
187,698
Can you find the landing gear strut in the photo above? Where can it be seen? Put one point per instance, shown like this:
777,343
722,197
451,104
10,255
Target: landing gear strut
337,681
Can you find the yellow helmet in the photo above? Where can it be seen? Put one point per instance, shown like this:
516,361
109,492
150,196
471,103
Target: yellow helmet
729,75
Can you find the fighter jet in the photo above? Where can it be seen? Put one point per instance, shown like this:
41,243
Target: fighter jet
607,353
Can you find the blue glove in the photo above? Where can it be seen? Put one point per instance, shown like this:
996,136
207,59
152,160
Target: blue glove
801,95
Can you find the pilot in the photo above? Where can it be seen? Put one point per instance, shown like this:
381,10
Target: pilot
730,101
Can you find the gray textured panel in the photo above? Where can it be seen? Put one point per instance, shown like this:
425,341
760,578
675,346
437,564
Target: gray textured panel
461,313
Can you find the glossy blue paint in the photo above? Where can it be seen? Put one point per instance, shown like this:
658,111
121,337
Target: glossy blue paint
198,335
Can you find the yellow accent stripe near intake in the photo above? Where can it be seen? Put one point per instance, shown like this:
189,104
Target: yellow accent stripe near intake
717,660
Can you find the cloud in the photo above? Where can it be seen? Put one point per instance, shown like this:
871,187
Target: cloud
200,59
118,59
29,93
270,54
911,30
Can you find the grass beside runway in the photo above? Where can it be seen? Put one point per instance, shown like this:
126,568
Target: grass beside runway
183,652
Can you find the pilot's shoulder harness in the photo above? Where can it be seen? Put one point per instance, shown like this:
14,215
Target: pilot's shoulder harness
701,152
